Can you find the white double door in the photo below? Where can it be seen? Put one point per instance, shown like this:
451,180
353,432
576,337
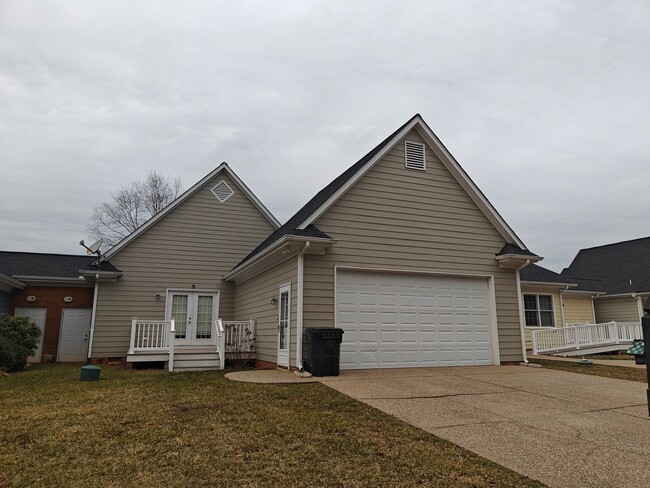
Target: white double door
194,314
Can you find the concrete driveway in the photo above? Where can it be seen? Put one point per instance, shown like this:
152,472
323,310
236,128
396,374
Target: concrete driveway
564,429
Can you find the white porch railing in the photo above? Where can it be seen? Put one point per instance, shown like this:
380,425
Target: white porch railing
239,336
159,337
585,336
153,336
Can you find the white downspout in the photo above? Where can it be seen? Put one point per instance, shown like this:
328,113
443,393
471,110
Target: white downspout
593,307
92,317
640,305
299,325
562,306
520,300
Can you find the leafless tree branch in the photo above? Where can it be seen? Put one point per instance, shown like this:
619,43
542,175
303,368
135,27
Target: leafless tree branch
132,206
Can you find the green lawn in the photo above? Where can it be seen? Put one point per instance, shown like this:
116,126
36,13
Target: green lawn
618,372
152,428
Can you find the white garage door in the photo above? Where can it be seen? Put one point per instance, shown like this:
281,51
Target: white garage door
396,320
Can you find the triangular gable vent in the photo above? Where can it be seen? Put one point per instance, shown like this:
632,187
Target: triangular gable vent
222,191
415,155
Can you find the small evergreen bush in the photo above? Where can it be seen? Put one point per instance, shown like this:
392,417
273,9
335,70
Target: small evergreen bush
19,339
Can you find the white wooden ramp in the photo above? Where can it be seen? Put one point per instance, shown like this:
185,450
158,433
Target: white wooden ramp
577,340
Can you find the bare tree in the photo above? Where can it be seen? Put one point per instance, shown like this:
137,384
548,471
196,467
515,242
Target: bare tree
132,206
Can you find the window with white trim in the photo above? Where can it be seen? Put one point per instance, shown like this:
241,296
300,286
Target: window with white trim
415,155
538,310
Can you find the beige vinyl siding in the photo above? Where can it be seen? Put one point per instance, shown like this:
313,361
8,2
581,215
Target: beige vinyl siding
193,246
578,308
557,313
402,219
624,309
253,301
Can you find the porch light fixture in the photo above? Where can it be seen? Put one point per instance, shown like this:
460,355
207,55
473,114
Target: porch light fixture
274,301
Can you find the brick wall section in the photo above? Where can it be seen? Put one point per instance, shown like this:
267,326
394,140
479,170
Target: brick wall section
52,298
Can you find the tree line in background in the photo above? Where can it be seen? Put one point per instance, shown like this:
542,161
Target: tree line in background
132,206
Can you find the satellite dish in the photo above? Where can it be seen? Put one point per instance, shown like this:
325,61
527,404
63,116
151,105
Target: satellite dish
93,248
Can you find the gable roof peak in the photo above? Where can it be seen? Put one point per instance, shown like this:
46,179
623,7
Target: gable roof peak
325,198
185,196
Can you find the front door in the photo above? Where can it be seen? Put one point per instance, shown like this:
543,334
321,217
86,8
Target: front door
284,325
194,313
36,315
73,340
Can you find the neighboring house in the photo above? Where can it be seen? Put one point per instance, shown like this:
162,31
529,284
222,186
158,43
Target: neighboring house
402,251
49,289
552,300
621,271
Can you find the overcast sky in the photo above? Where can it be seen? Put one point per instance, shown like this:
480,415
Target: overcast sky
546,104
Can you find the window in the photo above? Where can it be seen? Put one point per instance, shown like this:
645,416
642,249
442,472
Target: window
538,310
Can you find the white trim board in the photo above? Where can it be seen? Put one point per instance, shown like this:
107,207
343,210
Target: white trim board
188,193
447,160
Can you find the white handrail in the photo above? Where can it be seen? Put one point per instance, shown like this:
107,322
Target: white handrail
172,340
583,336
221,343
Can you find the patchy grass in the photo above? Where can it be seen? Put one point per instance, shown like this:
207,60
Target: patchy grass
151,428
615,357
617,372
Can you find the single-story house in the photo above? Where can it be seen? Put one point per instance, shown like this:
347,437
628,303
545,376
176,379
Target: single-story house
621,271
402,251
552,300
49,289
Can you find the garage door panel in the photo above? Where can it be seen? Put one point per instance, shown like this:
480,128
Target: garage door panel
402,320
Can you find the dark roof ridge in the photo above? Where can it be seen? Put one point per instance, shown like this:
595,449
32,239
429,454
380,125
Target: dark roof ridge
614,243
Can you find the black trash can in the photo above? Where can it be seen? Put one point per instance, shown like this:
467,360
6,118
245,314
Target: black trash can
324,346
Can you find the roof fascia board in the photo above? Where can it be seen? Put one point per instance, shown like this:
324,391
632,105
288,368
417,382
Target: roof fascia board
12,282
188,193
585,292
366,167
623,295
52,281
469,186
452,166
547,283
285,239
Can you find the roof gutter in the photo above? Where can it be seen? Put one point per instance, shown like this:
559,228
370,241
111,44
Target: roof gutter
299,325
522,330
273,247
12,282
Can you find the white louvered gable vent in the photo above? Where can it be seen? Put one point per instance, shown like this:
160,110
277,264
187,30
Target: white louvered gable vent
222,191
415,155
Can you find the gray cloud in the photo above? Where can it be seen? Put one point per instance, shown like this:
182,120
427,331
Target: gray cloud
544,104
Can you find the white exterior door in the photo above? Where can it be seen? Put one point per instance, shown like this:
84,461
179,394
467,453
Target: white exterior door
284,325
394,320
194,313
73,339
36,315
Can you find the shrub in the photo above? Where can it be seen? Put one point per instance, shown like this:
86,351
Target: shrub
19,339
13,357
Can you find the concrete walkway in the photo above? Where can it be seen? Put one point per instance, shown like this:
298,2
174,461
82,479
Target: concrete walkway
269,376
564,429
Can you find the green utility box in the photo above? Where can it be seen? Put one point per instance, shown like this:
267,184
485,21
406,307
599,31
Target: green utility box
90,373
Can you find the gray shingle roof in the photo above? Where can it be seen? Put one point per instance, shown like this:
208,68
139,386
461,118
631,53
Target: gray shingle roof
536,273
290,227
44,264
622,267
514,249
